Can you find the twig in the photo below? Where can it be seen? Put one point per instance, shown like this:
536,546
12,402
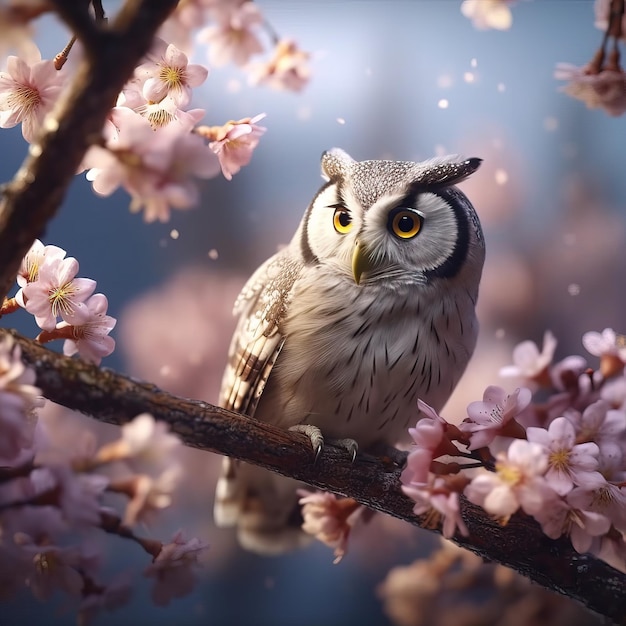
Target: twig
374,482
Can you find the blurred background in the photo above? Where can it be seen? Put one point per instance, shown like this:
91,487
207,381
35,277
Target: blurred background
403,80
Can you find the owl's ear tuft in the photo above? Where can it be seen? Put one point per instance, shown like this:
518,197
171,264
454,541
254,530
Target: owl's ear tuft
335,163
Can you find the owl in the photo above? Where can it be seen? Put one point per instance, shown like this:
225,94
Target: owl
370,307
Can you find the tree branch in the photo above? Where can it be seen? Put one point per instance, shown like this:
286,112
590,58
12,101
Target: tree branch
32,198
374,482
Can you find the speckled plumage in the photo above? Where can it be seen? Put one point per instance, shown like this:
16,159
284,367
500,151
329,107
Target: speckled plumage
351,353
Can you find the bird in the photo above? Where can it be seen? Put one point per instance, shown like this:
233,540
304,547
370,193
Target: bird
370,307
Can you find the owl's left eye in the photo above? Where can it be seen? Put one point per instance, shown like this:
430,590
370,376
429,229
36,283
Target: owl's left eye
342,220
404,223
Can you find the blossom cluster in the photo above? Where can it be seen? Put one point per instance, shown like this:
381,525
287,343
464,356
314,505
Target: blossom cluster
54,510
151,144
557,455
600,83
64,306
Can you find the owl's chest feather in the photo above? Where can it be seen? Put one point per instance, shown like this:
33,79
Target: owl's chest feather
356,359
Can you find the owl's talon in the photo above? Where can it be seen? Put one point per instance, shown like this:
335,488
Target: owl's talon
349,445
313,433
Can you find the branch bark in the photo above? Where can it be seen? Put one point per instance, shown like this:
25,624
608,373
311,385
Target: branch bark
32,198
374,482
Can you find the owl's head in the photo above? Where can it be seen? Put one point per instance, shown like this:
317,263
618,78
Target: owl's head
393,222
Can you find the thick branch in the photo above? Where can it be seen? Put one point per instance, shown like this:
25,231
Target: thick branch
36,192
374,482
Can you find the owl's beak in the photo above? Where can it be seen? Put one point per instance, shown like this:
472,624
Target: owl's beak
361,262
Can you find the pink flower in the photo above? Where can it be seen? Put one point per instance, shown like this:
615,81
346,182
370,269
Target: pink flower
27,94
486,14
18,398
569,464
158,114
430,442
147,494
599,423
608,500
234,142
167,72
612,550
233,39
329,519
146,445
529,363
155,167
566,374
567,516
517,481
111,597
495,415
34,259
597,88
174,568
437,497
57,292
53,567
288,69
90,339
609,347
602,10
78,495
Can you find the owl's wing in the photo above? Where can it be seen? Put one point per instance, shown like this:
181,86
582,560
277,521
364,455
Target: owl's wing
261,306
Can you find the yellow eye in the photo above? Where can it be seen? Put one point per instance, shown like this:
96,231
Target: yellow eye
342,220
405,223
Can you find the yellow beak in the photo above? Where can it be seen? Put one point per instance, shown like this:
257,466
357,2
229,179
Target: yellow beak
361,262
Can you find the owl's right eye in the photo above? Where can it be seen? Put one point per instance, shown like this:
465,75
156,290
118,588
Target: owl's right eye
342,220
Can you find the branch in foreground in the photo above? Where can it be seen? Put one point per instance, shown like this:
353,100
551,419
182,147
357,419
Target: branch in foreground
374,482
37,190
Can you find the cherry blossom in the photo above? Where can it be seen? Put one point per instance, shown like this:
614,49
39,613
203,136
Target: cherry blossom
486,14
603,88
567,516
15,29
156,168
569,464
602,10
90,339
52,567
608,500
529,363
78,495
57,292
611,548
18,397
495,415
437,497
149,494
329,519
174,568
287,69
431,441
599,423
234,142
167,72
34,259
147,445
27,93
233,38
566,374
610,347
517,481
108,598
